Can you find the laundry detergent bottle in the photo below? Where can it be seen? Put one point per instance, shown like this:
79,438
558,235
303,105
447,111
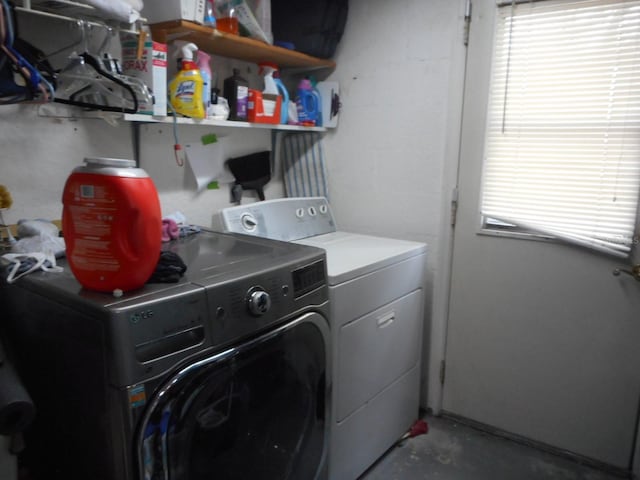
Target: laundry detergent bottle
112,224
307,103
316,93
186,88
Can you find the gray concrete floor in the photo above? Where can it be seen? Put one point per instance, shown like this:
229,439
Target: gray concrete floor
453,451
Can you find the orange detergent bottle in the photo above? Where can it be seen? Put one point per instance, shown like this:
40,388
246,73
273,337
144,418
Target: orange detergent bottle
112,224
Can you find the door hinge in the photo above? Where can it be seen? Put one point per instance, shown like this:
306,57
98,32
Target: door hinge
454,206
442,370
467,22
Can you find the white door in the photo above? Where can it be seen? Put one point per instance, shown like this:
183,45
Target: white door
542,341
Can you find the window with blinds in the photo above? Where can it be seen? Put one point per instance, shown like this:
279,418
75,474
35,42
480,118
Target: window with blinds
562,150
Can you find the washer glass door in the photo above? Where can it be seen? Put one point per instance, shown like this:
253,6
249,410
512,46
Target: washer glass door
258,410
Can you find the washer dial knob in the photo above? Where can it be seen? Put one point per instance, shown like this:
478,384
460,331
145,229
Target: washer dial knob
249,222
258,301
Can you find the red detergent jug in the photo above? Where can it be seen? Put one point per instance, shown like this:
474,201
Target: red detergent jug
112,224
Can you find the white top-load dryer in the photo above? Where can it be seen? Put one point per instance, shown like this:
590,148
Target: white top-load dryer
376,295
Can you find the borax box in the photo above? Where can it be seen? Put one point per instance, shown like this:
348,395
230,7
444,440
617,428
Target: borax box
150,66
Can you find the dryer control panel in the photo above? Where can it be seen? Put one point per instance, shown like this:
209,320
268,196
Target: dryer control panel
285,219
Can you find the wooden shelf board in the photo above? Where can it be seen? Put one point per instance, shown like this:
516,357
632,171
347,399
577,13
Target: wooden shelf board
234,46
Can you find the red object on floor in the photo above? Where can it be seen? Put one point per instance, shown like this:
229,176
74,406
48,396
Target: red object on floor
420,427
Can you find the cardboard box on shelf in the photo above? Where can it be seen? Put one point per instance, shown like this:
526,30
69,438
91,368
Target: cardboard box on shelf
150,67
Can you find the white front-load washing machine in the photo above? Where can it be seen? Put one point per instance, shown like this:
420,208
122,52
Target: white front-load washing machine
376,316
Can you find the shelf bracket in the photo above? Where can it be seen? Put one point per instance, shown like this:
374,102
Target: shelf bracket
135,139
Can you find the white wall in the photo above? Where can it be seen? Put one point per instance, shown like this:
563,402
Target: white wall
38,153
389,161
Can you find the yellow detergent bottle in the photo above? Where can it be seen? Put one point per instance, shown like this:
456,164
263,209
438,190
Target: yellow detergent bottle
185,90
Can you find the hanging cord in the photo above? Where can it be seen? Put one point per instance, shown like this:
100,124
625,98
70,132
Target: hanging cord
36,82
508,73
178,151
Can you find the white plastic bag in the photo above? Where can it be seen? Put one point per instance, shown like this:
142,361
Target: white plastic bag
41,261
245,15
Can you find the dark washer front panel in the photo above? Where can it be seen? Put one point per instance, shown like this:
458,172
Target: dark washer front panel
256,411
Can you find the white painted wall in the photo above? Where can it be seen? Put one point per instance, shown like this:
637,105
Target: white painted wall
392,159
38,153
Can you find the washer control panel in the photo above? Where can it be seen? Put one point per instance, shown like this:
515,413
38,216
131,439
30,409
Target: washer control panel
285,219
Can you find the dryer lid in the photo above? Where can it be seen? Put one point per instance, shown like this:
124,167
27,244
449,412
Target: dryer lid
350,255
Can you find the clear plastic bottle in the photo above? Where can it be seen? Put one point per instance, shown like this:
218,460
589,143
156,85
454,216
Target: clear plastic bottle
227,20
209,14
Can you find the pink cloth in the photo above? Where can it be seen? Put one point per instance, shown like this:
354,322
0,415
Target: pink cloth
170,230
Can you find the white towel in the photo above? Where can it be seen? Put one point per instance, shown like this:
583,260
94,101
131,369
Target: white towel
136,4
304,170
120,10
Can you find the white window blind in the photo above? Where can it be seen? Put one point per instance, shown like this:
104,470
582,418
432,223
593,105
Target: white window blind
562,151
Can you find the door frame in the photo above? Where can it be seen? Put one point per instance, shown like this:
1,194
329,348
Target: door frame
433,363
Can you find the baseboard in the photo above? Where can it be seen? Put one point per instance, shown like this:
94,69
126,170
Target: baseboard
582,460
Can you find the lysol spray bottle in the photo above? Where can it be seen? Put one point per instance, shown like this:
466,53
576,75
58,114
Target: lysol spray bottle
186,88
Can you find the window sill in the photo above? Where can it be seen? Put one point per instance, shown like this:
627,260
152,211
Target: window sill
521,235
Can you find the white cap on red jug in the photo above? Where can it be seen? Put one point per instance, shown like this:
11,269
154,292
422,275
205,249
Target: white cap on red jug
110,162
